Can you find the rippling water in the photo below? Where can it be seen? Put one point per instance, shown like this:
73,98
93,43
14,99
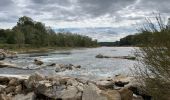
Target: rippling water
92,67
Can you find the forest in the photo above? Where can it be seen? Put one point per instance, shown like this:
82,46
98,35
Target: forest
30,33
131,40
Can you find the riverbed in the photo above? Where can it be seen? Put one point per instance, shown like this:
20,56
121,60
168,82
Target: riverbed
91,67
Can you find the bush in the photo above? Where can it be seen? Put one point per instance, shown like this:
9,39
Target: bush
154,59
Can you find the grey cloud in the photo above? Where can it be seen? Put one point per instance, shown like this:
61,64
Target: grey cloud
48,2
4,3
154,5
81,10
100,7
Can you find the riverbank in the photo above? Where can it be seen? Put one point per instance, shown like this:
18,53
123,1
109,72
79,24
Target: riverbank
39,87
30,49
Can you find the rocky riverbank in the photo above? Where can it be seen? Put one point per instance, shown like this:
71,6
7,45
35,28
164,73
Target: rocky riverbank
39,87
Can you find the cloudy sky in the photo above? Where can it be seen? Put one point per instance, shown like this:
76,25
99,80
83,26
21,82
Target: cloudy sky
105,20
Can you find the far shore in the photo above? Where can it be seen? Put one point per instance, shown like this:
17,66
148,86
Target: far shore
41,49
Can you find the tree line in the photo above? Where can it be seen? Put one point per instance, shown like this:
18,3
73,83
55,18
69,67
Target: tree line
130,40
36,34
133,40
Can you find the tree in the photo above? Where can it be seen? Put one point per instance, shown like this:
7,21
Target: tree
36,34
19,38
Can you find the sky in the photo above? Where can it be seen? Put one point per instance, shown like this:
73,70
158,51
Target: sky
104,20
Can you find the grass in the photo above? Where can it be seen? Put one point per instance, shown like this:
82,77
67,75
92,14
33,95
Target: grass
29,49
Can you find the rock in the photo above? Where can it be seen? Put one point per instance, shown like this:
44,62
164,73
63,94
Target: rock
121,81
72,82
105,84
63,81
139,91
46,83
82,81
4,80
18,89
5,64
8,54
64,67
91,92
78,96
99,56
78,66
13,82
30,83
2,56
112,95
70,94
2,88
38,62
106,79
5,97
10,89
49,93
53,64
126,94
136,97
80,88
69,66
121,84
29,96
57,69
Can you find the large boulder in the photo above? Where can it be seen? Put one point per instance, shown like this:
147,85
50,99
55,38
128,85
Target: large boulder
112,94
91,92
18,89
126,94
56,92
13,82
10,89
104,84
71,93
72,82
29,96
30,83
5,97
2,88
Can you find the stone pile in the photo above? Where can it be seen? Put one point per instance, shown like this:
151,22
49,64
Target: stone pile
39,87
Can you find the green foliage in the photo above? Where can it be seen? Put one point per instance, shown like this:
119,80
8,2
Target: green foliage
36,34
154,67
134,40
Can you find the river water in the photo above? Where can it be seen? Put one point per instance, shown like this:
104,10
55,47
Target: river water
91,67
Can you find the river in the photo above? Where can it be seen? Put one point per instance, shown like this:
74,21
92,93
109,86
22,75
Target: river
91,67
